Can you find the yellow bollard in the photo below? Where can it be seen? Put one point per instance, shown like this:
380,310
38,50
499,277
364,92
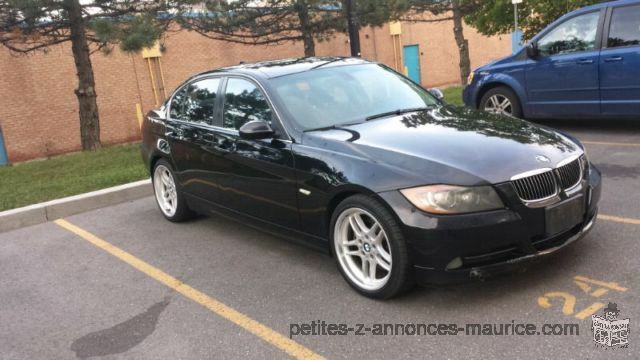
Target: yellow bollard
139,115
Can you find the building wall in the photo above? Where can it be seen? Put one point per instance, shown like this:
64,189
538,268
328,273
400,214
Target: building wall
39,110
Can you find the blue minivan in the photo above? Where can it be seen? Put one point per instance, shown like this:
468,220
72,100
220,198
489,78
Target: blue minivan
585,64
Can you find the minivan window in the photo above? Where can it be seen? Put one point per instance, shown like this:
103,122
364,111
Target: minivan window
625,27
574,35
244,102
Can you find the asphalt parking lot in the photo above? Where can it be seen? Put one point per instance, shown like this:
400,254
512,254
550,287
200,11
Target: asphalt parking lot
121,282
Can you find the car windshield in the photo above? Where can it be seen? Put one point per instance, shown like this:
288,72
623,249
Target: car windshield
335,96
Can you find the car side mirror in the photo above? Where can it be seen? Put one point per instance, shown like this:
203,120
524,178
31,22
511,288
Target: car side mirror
532,50
437,93
255,130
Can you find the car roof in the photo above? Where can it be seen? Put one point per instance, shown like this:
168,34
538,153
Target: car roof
585,10
604,5
275,68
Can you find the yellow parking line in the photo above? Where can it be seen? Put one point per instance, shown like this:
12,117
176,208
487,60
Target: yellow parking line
262,331
610,143
619,219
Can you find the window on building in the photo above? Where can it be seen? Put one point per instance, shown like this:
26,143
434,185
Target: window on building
574,35
625,27
244,102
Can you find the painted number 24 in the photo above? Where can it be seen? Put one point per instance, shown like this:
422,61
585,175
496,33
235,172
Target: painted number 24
595,288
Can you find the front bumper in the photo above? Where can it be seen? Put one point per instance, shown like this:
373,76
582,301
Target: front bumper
469,95
488,243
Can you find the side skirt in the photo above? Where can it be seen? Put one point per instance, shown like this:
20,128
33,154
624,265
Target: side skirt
207,208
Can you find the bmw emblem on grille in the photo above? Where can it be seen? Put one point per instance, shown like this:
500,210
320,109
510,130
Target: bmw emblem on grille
542,158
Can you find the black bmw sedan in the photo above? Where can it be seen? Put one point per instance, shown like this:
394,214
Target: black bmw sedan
351,157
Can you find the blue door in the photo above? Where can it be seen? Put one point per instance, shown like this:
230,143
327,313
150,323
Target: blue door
411,56
620,63
3,152
563,80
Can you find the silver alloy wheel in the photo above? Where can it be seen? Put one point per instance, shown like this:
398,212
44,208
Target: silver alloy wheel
499,104
165,190
363,249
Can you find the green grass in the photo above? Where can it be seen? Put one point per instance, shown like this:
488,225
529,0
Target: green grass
453,95
38,181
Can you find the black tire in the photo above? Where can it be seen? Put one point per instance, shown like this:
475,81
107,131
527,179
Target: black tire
516,107
182,211
401,274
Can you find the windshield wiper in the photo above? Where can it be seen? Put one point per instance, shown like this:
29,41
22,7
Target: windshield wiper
398,112
327,63
331,127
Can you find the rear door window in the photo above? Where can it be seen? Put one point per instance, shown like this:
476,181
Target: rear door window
176,108
196,102
625,27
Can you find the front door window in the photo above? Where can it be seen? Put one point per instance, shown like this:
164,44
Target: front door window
574,35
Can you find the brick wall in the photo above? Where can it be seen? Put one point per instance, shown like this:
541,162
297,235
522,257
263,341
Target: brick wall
39,110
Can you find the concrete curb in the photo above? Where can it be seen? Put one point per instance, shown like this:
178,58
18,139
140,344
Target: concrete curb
59,208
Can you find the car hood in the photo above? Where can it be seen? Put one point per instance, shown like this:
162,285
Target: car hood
504,60
450,140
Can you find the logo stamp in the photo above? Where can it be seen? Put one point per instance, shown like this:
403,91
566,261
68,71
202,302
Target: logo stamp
542,158
608,331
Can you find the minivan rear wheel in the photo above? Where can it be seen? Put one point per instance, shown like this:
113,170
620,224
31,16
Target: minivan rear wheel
501,100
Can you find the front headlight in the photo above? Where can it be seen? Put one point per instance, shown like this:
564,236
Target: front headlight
470,77
585,163
449,199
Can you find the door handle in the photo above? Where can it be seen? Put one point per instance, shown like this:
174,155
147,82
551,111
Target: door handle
585,61
174,134
614,59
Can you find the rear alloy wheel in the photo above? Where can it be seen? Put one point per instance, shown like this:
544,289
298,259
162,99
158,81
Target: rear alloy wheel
501,100
168,196
369,248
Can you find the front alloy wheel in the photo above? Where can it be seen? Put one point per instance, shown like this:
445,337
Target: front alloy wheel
499,104
501,100
363,249
369,248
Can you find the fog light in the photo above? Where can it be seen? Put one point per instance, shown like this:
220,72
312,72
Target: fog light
454,264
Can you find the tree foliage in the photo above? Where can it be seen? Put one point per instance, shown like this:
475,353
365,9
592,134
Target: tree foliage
496,17
27,25
279,21
414,10
445,10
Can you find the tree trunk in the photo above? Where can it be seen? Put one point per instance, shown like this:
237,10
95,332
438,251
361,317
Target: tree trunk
86,93
309,45
463,44
305,28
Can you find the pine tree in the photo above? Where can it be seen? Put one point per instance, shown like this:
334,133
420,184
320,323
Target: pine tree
280,21
37,25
